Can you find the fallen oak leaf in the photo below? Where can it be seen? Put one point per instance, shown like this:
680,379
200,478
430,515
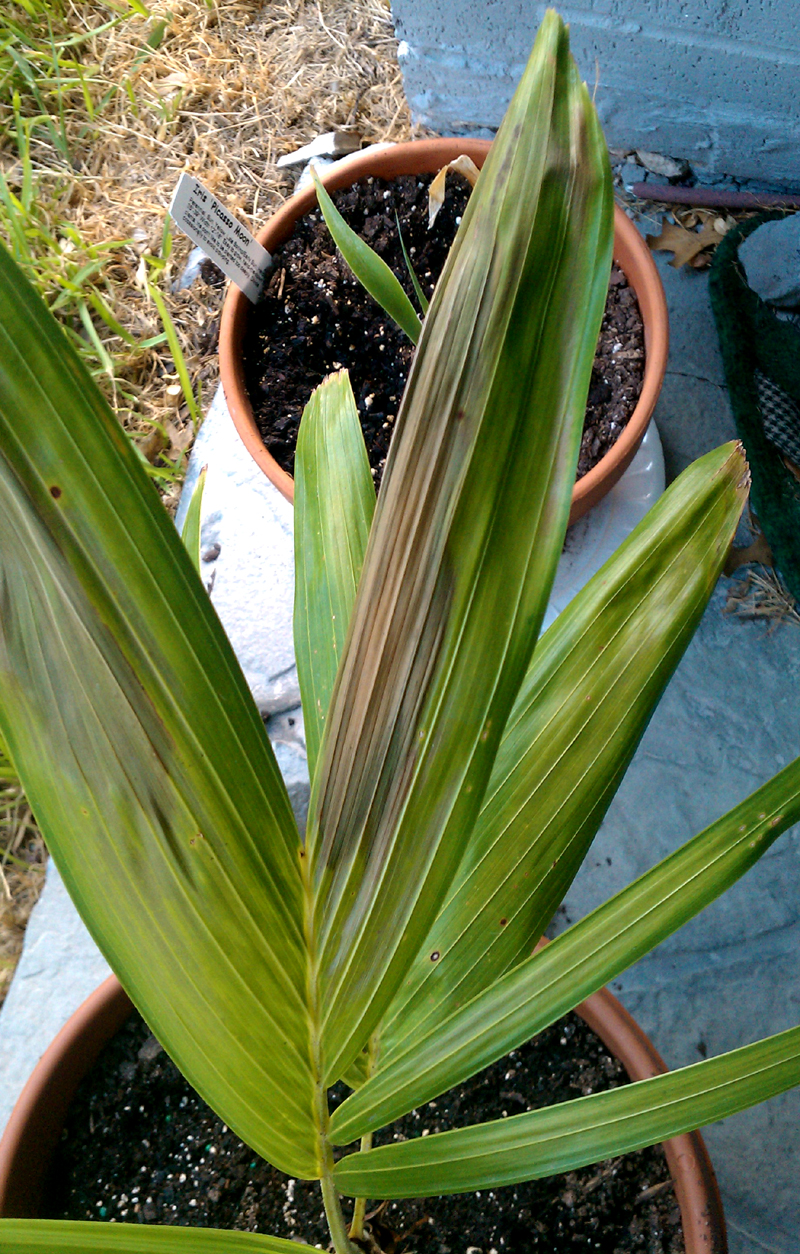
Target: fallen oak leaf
154,444
179,437
684,244
757,551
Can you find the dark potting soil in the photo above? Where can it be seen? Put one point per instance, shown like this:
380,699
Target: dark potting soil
141,1147
315,318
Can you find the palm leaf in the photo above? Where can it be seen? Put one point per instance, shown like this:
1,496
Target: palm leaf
466,537
43,1236
584,958
140,748
572,1134
422,299
333,506
190,533
371,270
596,676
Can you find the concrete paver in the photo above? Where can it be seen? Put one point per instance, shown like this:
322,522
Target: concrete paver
728,720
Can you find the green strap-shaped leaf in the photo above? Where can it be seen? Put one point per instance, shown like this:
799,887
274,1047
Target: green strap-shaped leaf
594,680
334,500
371,270
581,960
572,1134
467,534
422,299
140,748
190,534
7,771
53,1236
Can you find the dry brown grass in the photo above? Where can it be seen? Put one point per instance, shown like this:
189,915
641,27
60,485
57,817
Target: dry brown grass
762,595
22,863
231,87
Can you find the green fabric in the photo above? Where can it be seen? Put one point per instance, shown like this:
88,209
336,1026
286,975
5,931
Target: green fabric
751,337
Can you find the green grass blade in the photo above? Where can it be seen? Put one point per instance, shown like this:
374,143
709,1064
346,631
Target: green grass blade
58,140
570,1135
15,216
177,354
371,270
467,534
101,308
24,148
191,523
140,748
52,1236
421,297
7,772
98,345
334,500
59,92
580,961
594,681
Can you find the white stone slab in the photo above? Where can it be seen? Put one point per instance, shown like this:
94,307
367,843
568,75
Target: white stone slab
592,539
60,966
771,258
249,525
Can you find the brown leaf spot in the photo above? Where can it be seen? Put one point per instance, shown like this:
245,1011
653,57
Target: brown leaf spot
435,956
55,491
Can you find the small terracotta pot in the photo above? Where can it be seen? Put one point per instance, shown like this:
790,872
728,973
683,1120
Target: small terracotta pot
35,1126
426,157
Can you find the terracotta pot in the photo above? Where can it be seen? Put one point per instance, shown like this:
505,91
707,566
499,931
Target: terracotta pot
34,1129
35,1125
426,157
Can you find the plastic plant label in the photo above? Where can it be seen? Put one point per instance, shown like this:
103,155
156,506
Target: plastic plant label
229,245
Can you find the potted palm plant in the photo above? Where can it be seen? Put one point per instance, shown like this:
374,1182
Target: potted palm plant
460,766
426,157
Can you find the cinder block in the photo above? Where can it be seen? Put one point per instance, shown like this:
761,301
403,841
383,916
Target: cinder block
716,83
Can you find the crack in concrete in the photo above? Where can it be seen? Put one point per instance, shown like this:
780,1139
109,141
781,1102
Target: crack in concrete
743,1232
699,378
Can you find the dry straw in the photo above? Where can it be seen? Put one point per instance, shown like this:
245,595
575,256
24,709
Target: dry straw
220,90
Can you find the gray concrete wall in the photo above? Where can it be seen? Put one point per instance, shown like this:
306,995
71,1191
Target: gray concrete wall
715,81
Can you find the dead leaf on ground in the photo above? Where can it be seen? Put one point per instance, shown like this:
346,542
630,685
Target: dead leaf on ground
179,437
686,245
154,444
757,551
666,167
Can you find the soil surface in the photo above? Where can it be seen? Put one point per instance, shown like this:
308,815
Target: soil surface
141,1146
315,318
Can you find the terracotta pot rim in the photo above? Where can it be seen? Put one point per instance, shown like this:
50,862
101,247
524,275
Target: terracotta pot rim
37,1119
425,156
32,1132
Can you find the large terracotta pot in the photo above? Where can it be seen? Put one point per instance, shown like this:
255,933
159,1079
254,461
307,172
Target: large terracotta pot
35,1125
426,157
